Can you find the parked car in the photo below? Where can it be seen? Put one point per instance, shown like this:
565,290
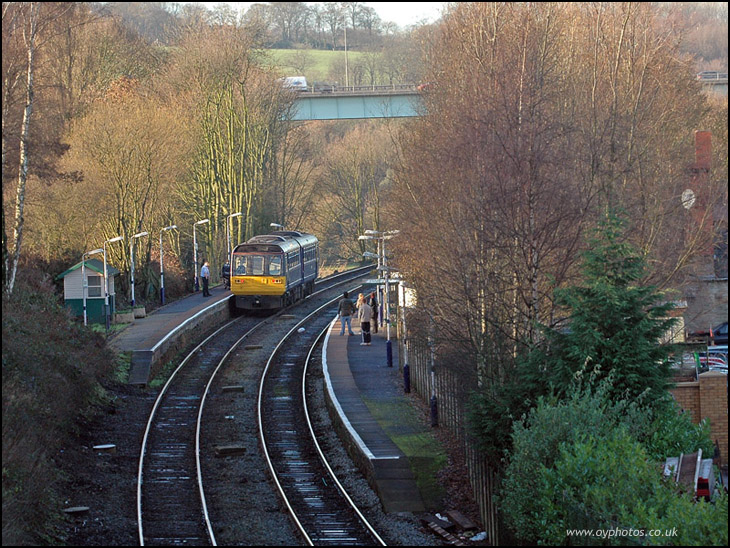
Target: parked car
295,83
323,87
716,335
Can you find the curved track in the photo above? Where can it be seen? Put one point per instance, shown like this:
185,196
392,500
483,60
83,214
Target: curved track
171,505
320,507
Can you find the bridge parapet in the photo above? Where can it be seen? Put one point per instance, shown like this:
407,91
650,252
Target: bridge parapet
333,90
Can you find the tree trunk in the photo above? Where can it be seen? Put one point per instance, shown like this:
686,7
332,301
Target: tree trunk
30,39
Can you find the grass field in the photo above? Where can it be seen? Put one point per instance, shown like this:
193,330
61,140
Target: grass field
316,65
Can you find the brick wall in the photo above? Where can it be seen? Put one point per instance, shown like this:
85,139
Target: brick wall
707,398
687,395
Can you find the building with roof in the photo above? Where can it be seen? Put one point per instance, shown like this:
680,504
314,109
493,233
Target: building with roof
73,290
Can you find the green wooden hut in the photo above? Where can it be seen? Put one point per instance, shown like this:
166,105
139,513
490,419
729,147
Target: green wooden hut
73,290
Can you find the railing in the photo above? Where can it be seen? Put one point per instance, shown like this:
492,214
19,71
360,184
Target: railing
452,390
711,75
359,90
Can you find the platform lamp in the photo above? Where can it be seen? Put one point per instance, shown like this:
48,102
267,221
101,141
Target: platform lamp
228,232
369,255
383,267
277,226
402,315
106,282
195,252
131,261
162,270
373,235
388,345
84,281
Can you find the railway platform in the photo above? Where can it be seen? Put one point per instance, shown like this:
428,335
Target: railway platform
166,330
361,389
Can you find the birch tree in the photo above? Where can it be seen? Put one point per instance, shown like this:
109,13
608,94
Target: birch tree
543,117
29,19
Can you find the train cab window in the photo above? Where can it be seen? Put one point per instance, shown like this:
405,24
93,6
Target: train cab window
239,265
255,265
275,266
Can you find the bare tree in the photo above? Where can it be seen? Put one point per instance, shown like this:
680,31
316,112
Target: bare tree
541,119
350,193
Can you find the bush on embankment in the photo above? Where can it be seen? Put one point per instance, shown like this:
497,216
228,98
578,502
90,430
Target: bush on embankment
52,369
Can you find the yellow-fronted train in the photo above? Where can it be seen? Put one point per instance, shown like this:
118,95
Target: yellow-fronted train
273,270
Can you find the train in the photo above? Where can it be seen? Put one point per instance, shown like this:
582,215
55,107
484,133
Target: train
272,271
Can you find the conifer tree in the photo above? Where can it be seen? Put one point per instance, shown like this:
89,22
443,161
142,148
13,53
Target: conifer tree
614,329
615,324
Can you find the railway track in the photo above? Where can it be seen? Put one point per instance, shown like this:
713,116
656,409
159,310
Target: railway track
171,502
320,506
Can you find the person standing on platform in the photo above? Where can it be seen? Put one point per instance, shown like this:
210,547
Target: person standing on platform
364,314
373,302
345,310
205,276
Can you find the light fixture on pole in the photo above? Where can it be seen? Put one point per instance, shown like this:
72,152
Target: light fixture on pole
383,267
228,232
106,282
402,315
162,270
131,261
84,281
195,253
388,345
373,235
277,226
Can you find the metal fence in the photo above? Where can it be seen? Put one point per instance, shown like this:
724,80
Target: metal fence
451,386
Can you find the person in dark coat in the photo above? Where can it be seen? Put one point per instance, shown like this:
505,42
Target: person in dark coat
345,310
373,302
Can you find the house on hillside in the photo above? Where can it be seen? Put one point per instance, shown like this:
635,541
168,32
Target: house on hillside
73,295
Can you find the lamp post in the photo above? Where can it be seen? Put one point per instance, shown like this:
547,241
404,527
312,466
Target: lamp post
195,253
84,281
228,232
277,226
383,267
106,281
406,367
162,271
375,235
347,77
434,412
131,261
